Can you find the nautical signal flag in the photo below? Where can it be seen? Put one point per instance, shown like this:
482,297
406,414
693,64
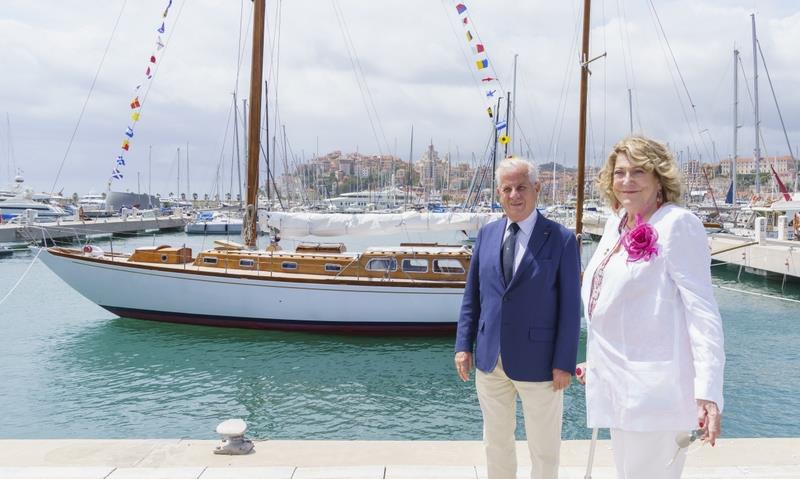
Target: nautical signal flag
489,111
469,36
504,139
120,160
135,116
129,132
490,93
161,29
478,48
465,20
159,43
152,58
125,145
461,8
135,103
501,124
116,174
488,79
481,64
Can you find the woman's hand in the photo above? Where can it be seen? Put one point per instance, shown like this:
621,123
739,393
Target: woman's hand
580,373
709,419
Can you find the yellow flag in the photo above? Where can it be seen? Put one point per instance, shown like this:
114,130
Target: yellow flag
135,116
504,139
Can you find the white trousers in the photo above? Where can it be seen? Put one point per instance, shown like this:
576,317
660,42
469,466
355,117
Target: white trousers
542,408
640,455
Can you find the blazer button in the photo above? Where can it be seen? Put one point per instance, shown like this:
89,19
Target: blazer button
506,299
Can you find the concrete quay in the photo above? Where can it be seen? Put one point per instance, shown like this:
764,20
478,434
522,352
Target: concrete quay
181,458
70,230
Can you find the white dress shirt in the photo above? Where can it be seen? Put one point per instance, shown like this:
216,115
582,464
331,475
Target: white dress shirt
655,341
523,236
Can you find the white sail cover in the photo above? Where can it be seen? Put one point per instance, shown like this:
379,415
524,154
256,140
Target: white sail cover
319,224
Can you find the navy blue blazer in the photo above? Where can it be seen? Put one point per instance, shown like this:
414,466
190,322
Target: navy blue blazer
535,320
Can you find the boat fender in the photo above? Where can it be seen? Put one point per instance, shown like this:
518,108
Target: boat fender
93,251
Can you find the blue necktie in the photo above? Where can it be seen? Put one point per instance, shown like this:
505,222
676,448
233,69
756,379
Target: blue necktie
509,248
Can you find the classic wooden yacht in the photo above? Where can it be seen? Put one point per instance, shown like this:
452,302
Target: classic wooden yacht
408,289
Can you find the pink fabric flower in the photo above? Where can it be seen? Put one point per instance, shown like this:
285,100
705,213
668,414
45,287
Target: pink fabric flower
640,242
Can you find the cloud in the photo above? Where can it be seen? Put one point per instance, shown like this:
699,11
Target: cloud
414,69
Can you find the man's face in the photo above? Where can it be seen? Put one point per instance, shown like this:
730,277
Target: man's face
517,194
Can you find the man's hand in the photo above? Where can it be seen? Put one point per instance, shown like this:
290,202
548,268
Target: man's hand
709,419
561,379
463,364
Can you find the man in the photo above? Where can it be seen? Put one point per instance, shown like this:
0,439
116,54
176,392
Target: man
521,313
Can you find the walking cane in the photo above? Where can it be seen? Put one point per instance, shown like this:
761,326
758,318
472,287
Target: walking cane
580,373
589,464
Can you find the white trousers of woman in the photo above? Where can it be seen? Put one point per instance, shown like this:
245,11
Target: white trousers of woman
542,409
647,455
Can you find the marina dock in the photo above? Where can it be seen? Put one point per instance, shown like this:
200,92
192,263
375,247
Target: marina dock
179,459
70,230
759,254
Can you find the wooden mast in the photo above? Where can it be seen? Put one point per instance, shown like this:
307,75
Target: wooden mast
249,231
582,118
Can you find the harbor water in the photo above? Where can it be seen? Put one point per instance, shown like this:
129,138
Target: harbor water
69,369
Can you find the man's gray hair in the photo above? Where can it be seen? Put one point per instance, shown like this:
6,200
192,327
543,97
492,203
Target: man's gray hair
514,163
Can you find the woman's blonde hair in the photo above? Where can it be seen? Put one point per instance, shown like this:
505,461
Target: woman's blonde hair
650,155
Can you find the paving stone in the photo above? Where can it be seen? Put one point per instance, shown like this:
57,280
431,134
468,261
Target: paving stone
43,472
429,472
273,472
356,472
157,473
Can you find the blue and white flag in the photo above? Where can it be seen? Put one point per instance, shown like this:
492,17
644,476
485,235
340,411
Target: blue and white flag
120,160
501,124
161,29
116,174
129,132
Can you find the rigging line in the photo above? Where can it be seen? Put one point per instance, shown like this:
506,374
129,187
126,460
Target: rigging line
88,96
678,95
629,62
359,81
273,73
217,181
364,80
775,98
771,296
605,77
752,104
239,46
24,274
461,49
562,100
162,55
683,81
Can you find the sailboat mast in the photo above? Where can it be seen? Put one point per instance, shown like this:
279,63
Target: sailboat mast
757,151
254,126
735,122
582,117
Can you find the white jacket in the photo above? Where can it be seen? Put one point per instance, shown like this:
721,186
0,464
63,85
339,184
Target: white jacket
655,340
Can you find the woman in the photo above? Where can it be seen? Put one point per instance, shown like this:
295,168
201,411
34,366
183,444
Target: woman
655,348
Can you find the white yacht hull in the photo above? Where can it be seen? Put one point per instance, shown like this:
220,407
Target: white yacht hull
259,302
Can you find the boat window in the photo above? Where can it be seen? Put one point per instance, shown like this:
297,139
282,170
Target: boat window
447,266
415,265
246,263
209,260
164,258
289,265
333,268
382,264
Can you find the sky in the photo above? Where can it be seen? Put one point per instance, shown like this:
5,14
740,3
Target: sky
353,75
